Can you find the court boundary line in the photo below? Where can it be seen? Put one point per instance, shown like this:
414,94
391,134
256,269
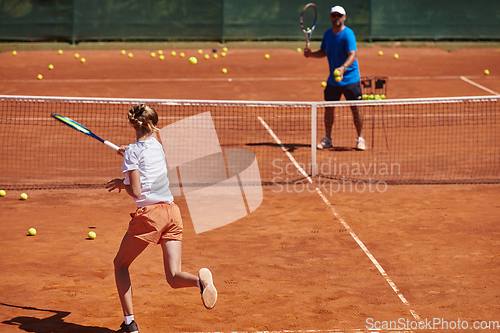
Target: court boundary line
343,222
463,78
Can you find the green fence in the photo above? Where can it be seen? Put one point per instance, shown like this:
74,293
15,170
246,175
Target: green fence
223,20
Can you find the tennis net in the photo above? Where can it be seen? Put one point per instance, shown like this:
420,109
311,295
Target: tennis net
414,141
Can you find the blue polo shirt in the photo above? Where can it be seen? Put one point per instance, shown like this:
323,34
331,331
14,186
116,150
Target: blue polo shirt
337,46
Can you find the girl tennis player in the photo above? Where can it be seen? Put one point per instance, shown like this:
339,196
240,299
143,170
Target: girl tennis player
157,219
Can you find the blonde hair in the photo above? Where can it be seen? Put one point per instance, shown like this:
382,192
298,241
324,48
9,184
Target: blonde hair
144,118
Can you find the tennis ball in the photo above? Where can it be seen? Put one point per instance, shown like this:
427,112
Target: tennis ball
193,60
299,49
162,57
51,66
92,235
396,56
123,52
82,60
160,52
200,51
206,56
377,97
338,78
223,54
173,53
371,97
153,54
323,84
224,49
182,54
77,55
2,193
130,55
380,53
32,231
14,52
487,72
216,56
60,52
382,96
224,70
24,196
336,72
40,76
364,96
267,56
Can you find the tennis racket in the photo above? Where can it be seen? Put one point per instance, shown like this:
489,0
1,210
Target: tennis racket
308,21
73,124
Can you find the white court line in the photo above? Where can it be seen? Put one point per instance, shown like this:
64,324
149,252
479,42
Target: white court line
344,223
479,86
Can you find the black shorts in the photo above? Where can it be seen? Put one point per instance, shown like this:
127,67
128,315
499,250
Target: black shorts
351,92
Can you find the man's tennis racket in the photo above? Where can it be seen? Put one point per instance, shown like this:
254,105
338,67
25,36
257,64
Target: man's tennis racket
308,21
73,124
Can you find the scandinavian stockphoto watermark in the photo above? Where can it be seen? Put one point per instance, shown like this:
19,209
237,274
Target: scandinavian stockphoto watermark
338,176
220,186
431,324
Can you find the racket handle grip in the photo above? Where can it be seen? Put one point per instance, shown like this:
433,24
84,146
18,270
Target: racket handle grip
112,145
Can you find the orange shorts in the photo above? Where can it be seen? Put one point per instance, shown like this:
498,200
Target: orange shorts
155,222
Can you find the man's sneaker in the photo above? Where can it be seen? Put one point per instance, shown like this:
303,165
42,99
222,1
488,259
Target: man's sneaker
208,291
325,143
361,144
131,328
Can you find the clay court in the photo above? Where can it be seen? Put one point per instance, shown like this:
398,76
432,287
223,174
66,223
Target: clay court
301,261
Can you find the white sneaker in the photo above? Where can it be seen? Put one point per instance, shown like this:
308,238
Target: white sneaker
208,291
361,144
325,143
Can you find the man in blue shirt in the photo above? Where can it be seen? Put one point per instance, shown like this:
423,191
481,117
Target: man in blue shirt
339,46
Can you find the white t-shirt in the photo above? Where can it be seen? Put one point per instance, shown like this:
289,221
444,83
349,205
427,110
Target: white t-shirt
148,157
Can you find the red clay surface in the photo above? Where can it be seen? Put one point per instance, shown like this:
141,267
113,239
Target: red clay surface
290,265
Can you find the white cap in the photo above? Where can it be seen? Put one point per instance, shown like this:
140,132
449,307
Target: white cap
338,9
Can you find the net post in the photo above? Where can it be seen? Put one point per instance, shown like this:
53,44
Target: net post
314,112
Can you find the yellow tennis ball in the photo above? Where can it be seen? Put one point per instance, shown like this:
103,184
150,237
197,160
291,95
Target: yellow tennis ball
24,196
182,54
123,52
338,78
200,51
380,53
224,70
173,53
193,60
396,56
377,97
3,193
160,52
14,52
336,72
60,52
371,97
92,235
162,57
267,56
153,54
83,60
51,66
364,96
299,49
487,72
216,56
77,55
40,76
130,55
206,56
323,84
223,54
32,231
383,96
224,49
